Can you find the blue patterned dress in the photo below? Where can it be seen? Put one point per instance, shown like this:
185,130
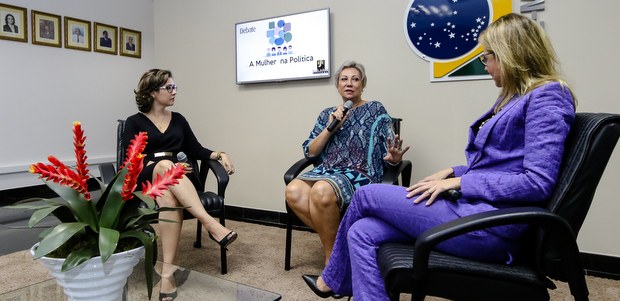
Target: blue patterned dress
354,155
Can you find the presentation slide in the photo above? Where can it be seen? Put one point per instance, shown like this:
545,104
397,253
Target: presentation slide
290,47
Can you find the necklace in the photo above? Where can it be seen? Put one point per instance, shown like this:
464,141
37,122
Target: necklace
485,121
160,122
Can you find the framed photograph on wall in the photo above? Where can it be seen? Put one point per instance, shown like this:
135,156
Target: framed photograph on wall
130,43
14,23
106,37
46,29
77,34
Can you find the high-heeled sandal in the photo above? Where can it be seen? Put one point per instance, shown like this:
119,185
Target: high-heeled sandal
171,295
179,276
167,296
227,240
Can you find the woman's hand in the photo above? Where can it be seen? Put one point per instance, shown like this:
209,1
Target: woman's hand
432,186
188,167
230,169
339,115
395,150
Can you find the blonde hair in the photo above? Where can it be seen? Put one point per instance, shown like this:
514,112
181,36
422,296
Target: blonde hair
524,54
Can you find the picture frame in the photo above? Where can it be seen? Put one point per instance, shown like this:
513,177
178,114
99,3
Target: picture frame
106,38
46,29
18,29
77,34
130,43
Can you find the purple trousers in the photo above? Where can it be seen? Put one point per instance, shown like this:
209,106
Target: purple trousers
381,213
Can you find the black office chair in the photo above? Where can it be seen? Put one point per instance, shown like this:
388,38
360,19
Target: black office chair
211,201
553,252
399,174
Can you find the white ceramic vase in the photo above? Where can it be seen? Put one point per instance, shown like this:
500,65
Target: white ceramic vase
94,280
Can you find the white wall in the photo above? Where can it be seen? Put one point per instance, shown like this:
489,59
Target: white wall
45,89
263,126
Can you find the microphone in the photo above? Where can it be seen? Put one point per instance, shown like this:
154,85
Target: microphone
451,194
182,157
335,122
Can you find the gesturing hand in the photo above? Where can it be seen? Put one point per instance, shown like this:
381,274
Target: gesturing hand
395,150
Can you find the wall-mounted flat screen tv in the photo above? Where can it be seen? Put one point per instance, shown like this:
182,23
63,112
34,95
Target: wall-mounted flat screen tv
284,48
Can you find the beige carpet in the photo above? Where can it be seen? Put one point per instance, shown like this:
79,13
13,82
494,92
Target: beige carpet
255,259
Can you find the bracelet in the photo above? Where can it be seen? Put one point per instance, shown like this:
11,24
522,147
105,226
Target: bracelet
392,164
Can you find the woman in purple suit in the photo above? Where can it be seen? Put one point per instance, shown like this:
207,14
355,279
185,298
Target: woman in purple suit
513,159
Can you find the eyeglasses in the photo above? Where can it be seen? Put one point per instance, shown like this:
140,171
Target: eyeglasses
170,88
483,58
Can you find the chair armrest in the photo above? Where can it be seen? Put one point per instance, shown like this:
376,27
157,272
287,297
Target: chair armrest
107,172
296,169
221,176
403,169
551,223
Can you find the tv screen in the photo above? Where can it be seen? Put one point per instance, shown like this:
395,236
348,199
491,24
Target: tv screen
289,47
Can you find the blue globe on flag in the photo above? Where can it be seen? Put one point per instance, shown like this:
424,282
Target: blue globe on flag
446,29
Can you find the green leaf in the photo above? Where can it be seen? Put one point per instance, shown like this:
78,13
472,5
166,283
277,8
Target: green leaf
57,237
120,175
129,215
167,220
150,203
172,208
108,239
77,257
148,241
45,232
26,203
113,202
40,214
82,209
102,185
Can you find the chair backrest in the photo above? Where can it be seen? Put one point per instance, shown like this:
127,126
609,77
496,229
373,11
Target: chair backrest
396,125
588,148
120,149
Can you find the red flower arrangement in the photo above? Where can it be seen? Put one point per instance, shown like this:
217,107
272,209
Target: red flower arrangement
115,222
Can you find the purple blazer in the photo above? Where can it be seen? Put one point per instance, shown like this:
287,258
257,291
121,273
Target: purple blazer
514,158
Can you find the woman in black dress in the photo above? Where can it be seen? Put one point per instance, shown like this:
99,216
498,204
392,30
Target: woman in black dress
168,134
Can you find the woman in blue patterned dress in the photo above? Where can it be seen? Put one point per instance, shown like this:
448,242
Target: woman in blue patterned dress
351,155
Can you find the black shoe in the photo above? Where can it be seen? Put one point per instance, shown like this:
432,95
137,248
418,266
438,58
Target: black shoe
311,282
167,296
227,240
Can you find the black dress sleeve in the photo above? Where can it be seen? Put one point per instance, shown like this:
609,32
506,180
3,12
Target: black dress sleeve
190,143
